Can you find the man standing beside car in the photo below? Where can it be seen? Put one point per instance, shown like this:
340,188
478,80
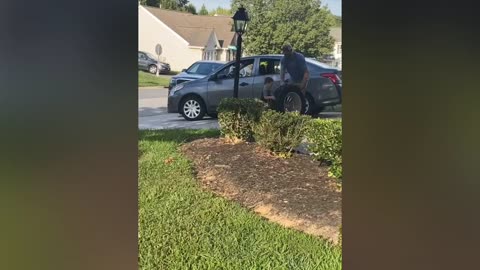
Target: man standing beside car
294,63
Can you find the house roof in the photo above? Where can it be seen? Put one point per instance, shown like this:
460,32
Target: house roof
336,33
196,29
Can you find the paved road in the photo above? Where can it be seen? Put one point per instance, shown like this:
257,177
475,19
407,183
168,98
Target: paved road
152,113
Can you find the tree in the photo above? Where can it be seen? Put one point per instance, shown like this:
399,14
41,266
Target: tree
203,10
182,3
150,3
168,4
190,8
302,23
221,11
338,20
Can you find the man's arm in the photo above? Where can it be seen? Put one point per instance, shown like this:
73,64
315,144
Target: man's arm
306,76
306,73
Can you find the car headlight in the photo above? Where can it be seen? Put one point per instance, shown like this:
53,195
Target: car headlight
176,88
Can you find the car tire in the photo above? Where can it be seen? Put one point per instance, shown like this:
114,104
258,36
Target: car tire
290,98
152,69
192,108
309,105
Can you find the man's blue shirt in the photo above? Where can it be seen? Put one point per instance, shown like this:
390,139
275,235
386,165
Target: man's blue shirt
295,66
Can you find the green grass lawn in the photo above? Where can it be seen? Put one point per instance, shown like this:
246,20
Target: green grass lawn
183,227
147,79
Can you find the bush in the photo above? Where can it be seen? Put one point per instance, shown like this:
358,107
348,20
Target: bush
279,132
237,117
325,143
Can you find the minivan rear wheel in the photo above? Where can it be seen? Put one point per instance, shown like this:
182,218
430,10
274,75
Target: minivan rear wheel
192,108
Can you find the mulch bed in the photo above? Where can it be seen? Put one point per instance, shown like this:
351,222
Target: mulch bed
295,192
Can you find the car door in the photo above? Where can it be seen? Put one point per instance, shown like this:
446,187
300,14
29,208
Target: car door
142,61
222,84
267,67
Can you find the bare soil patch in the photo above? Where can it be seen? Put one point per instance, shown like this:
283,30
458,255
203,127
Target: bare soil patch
294,192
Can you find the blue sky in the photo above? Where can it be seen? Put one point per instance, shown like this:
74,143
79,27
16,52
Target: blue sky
334,5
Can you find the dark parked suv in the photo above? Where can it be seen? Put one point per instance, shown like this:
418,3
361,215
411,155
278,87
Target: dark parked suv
196,98
147,62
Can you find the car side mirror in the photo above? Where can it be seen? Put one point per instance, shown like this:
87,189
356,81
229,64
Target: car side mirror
183,70
213,77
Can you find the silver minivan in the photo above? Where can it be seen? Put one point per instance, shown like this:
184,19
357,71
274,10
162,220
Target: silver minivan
195,99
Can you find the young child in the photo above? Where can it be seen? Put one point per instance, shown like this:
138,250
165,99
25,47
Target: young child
268,96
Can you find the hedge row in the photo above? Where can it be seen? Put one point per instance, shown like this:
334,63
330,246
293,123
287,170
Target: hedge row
281,133
237,116
324,138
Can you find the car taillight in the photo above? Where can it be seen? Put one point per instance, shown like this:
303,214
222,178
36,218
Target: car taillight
332,76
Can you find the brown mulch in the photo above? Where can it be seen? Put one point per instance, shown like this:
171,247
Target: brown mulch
295,192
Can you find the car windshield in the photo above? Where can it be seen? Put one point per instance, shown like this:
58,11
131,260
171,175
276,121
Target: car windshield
203,68
151,56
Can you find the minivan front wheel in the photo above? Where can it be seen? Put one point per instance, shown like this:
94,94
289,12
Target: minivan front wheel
192,108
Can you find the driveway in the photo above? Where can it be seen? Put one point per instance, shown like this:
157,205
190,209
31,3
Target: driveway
152,113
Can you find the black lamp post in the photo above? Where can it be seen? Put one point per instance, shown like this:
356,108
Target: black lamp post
240,20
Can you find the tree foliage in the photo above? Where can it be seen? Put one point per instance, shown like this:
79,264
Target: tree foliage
302,23
203,10
190,8
221,11
169,4
338,20
182,3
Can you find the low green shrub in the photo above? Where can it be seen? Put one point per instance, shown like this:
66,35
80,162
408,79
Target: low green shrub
279,132
325,143
237,117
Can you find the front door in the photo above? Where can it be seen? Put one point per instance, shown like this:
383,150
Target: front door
222,86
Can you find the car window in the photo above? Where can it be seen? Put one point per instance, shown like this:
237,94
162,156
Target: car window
202,68
228,72
269,66
216,66
193,68
151,56
141,56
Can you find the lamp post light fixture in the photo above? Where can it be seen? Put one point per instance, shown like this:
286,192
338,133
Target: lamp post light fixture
240,20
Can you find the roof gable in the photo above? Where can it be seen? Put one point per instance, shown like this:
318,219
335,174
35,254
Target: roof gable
195,29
